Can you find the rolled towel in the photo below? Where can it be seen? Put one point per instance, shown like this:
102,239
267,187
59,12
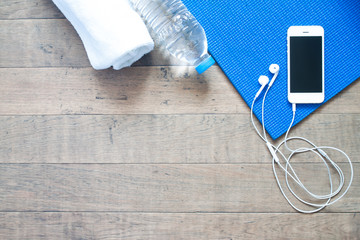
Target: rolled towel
112,32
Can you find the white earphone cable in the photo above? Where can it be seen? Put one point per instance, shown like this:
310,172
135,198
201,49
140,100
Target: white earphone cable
289,171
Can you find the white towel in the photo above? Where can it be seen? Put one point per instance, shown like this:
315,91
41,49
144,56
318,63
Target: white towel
112,32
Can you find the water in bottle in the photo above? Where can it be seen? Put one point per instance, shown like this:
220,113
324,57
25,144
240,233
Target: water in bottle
172,26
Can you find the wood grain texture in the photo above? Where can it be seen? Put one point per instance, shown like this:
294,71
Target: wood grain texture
158,187
54,43
200,138
154,151
138,90
178,226
28,9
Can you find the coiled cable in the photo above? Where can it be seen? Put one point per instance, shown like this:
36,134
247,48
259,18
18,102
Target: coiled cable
289,171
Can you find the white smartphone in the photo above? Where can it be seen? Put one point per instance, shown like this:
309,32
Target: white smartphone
305,64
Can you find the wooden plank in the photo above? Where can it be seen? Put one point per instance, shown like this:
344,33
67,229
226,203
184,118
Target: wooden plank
20,9
196,138
139,90
54,43
158,187
178,226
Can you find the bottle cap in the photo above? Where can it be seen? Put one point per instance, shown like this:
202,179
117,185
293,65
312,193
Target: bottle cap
205,64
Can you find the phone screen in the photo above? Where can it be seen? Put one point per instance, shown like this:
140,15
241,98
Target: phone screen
306,64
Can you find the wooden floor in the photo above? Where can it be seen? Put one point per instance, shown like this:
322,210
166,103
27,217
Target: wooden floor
154,151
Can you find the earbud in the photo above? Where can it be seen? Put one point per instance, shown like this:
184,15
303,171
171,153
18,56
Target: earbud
274,69
263,80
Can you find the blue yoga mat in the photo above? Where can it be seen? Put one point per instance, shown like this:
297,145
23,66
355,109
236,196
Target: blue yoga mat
246,36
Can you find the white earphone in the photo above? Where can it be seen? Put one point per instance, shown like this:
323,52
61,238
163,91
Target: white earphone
264,80
288,169
274,69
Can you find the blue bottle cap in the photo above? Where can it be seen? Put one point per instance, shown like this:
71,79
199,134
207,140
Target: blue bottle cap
205,64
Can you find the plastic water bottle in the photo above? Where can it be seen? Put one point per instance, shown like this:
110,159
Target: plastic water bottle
172,26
